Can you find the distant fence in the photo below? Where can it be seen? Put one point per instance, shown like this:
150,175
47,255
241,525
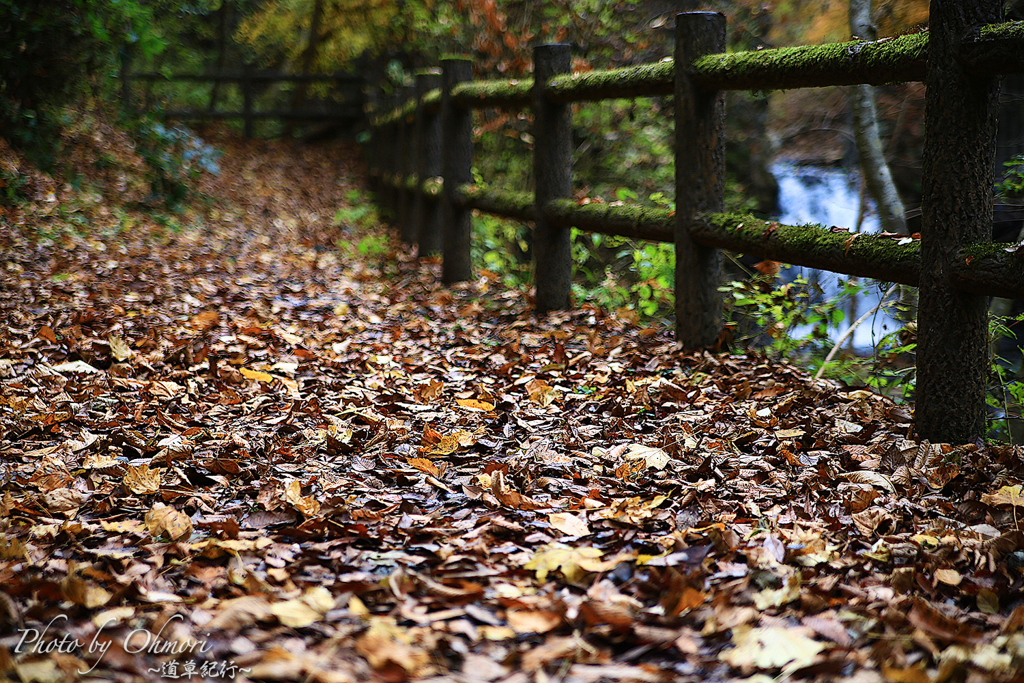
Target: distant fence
348,109
421,152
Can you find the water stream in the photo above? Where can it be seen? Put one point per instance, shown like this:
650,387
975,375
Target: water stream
830,196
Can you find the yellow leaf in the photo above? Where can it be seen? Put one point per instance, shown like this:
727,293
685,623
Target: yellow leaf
574,563
649,455
540,392
119,348
141,480
307,505
84,593
166,522
533,621
256,375
774,647
776,597
569,524
474,404
1007,495
948,576
295,613
358,607
424,465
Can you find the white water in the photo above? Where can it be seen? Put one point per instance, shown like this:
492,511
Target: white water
831,197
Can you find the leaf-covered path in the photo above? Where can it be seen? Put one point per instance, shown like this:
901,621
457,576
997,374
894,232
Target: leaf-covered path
242,450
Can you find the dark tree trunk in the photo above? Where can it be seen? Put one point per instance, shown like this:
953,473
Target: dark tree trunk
552,169
959,149
700,165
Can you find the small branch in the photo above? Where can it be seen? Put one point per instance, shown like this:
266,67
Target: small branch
851,330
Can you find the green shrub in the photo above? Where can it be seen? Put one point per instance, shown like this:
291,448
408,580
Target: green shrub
175,157
49,52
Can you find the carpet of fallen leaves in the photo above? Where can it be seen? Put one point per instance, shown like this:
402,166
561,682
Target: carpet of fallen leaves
242,450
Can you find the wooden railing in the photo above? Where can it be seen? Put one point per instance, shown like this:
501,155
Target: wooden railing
421,151
349,107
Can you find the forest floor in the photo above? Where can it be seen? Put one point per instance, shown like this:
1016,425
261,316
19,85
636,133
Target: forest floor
257,443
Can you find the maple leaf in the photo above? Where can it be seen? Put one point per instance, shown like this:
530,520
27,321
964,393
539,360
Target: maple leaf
772,647
574,563
163,521
540,392
1007,495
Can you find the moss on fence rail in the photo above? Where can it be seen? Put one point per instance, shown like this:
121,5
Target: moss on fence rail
997,48
644,80
507,93
892,259
990,269
903,58
518,205
624,220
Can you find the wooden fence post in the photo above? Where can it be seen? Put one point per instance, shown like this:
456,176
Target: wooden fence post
126,76
700,164
552,173
956,187
391,152
372,112
247,101
407,145
426,210
457,167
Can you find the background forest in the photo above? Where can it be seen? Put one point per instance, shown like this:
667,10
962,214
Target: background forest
622,151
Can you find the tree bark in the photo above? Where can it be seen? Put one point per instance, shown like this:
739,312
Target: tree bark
960,128
865,127
700,181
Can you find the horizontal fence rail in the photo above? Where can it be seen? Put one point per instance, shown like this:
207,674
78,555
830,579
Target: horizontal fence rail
954,263
351,108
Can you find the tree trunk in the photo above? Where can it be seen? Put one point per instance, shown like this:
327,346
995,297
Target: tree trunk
308,59
956,187
865,127
222,47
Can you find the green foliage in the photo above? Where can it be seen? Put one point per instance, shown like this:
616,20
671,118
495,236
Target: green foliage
500,246
626,144
49,52
1012,184
11,185
793,321
1005,396
362,212
616,273
360,216
176,157
765,314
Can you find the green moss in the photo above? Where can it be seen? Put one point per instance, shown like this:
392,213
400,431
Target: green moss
984,249
645,80
1012,31
627,220
814,246
501,203
995,48
903,58
432,99
493,93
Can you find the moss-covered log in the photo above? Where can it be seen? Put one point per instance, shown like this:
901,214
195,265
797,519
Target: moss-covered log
645,80
518,205
633,221
813,246
996,49
506,94
989,269
890,60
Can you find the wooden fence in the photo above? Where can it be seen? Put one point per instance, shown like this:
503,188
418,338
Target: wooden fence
250,82
421,151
